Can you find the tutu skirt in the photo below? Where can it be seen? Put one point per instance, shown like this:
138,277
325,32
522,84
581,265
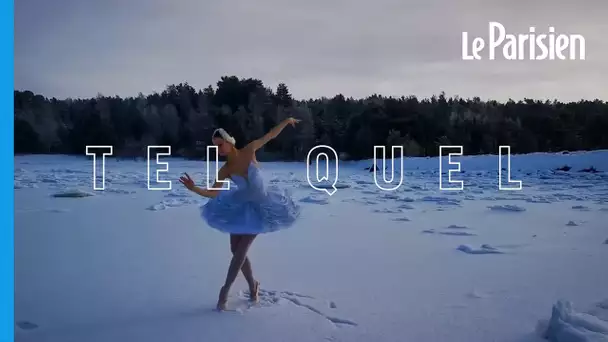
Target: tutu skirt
246,212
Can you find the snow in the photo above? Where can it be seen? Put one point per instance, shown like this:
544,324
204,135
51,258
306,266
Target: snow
568,325
414,264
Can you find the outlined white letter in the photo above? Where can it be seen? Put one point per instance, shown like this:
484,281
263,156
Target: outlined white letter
518,182
103,164
210,184
324,177
158,154
459,182
400,148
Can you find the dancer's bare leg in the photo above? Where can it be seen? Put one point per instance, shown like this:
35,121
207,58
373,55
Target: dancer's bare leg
246,268
240,254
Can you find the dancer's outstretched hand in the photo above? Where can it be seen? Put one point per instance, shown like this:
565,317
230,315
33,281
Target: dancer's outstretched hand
293,121
187,181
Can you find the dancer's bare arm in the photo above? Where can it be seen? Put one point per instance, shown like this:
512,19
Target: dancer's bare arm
273,133
223,174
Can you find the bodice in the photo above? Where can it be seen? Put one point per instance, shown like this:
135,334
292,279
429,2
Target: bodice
253,184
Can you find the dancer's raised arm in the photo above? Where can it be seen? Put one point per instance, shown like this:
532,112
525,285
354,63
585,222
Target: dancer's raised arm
273,133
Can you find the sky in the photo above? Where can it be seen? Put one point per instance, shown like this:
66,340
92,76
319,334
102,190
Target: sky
81,48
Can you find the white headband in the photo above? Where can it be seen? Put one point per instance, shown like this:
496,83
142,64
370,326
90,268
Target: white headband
224,136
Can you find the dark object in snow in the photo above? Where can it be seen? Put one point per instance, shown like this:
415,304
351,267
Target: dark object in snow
25,325
76,193
590,170
606,242
564,168
371,168
330,186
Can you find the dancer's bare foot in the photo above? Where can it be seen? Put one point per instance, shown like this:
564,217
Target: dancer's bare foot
223,298
254,292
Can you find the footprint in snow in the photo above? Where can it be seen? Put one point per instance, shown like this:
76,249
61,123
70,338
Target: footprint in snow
506,208
484,249
477,295
401,219
538,200
269,298
405,199
454,226
388,211
449,233
406,207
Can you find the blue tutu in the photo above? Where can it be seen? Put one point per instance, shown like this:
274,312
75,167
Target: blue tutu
251,208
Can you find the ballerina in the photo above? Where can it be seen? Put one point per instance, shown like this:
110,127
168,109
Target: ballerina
244,212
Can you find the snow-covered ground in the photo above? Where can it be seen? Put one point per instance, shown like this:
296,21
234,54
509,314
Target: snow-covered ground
415,264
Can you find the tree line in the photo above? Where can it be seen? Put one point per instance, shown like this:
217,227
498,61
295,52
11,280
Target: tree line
184,118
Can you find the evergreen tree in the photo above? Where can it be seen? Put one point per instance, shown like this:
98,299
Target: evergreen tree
184,118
